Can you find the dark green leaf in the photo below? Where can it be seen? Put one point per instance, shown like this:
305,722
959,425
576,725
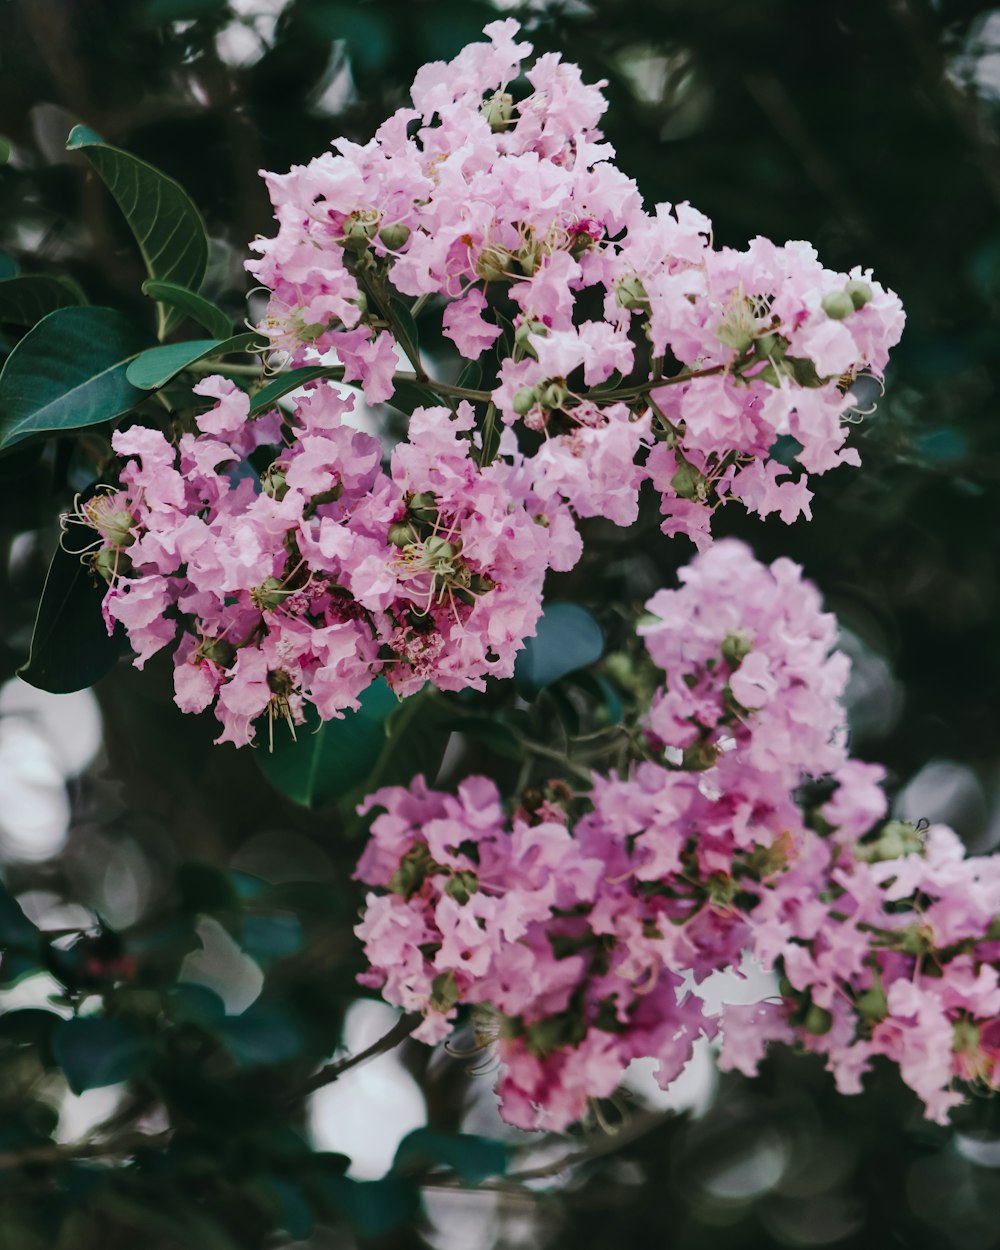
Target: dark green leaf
9,268
471,377
27,299
330,758
472,1157
192,305
417,735
69,371
264,1034
490,440
407,396
155,367
291,1210
6,148
70,646
205,888
94,1051
405,328
271,937
159,12
268,396
375,1208
167,226
366,32
16,930
31,1026
187,1003
494,733
568,638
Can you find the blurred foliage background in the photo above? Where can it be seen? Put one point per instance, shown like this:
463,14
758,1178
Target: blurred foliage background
869,127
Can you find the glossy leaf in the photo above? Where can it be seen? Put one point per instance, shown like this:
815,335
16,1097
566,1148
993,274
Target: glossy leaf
25,300
330,758
268,396
190,304
271,937
70,646
155,367
568,638
69,371
167,226
472,1157
94,1051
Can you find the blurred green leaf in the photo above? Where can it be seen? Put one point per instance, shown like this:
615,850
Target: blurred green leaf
27,299
167,226
365,30
330,758
187,1003
192,305
155,367
205,888
67,372
375,1208
472,1157
568,639
6,148
94,1051
494,733
70,647
266,1033
271,937
9,268
159,12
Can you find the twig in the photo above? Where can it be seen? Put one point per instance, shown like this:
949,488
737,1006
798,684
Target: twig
55,1153
399,1032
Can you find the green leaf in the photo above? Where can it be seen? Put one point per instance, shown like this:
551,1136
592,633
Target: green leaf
155,367
167,226
271,937
69,371
6,148
404,328
472,1157
264,1034
9,268
94,1051
417,735
568,638
26,300
268,396
192,305
70,647
205,888
494,733
159,12
375,1208
367,34
330,758
16,930
188,1003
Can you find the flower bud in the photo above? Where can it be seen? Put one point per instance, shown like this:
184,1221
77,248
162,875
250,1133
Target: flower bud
553,396
106,562
462,885
818,1021
219,651
268,595
688,482
873,1004
524,400
438,548
400,534
423,507
395,235
859,292
273,482
360,227
838,305
736,646
492,263
498,109
631,294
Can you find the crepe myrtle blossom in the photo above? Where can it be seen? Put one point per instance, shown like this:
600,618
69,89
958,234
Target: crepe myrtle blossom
621,335
577,937
299,587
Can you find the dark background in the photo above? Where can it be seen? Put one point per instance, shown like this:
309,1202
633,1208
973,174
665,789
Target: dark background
869,128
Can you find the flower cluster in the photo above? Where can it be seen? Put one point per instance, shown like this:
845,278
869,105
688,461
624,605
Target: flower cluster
302,586
587,935
510,214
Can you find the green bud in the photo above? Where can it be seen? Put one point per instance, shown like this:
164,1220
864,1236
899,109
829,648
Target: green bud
859,293
423,507
699,756
462,885
966,1037
838,305
498,109
492,263
818,1021
553,396
400,534
524,400
219,651
439,548
736,646
395,235
769,346
688,482
873,1004
631,294
107,562
273,483
359,230
735,336
444,992
269,594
